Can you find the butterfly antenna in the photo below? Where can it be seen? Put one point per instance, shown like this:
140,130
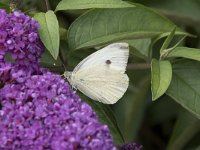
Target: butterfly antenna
64,66
62,60
62,75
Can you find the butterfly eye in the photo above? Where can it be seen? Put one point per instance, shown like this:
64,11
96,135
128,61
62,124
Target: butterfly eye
108,62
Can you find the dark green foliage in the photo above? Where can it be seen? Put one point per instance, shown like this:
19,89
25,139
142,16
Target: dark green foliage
73,29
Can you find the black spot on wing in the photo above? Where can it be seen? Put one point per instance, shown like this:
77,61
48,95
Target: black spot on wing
108,62
123,47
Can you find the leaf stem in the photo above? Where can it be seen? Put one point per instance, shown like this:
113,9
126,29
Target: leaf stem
135,66
64,63
47,5
138,66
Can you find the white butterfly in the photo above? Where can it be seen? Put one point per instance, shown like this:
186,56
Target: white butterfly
101,76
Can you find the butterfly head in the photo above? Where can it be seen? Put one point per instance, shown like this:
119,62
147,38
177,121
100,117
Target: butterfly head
68,76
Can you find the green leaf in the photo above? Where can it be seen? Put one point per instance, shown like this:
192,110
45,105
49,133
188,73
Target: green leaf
158,111
140,47
86,4
198,148
161,74
185,85
101,26
135,109
106,116
63,33
74,58
185,128
168,40
49,31
182,11
4,6
48,61
185,52
130,109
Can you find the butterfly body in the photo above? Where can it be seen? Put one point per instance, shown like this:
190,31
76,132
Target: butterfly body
101,76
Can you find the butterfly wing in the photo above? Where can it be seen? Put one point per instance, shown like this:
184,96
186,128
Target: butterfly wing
115,55
101,76
102,84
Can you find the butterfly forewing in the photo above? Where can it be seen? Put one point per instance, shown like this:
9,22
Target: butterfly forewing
116,54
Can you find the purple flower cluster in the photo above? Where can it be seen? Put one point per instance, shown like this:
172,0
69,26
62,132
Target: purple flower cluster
38,109
42,112
20,40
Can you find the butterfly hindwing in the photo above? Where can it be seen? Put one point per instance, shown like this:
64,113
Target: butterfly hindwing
102,84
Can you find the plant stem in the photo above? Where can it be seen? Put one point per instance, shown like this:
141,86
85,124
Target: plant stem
57,69
139,66
47,5
64,63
